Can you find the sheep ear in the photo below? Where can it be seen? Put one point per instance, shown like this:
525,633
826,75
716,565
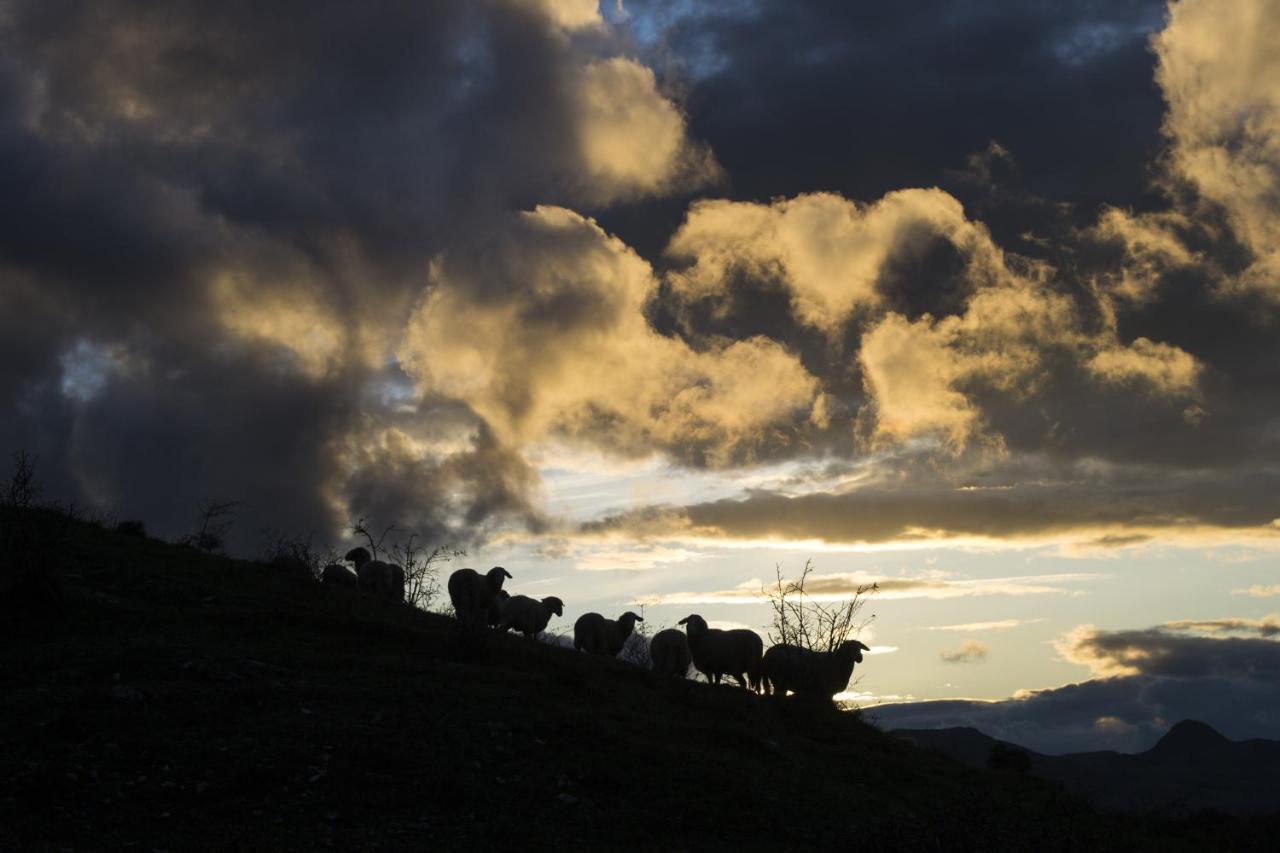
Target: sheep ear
507,573
683,621
863,646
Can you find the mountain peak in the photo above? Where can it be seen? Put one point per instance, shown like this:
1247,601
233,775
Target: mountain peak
1190,735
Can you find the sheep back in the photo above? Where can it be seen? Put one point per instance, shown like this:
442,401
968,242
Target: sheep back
340,576
806,673
669,651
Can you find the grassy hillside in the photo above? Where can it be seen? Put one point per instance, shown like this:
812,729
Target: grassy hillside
182,701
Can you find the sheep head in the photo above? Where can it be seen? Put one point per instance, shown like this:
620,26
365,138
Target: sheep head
496,576
628,621
852,650
694,624
358,556
554,605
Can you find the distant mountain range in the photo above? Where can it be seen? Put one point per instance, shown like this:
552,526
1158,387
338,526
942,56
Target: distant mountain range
1192,768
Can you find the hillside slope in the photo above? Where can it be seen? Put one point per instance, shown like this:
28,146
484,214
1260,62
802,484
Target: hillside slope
182,701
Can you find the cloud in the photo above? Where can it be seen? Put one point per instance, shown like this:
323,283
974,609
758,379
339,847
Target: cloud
1170,651
1267,626
839,587
970,651
542,332
1259,590
1098,514
1150,679
240,198
1220,74
970,627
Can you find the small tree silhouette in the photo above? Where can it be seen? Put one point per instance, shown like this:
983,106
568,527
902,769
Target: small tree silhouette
801,620
33,536
421,567
216,520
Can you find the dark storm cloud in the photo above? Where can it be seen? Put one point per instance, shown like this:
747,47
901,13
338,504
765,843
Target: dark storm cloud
1165,676
1231,683
1090,514
1126,713
863,98
222,214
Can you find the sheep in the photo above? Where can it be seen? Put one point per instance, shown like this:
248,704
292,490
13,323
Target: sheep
809,673
596,635
472,592
374,576
716,652
339,576
494,611
669,651
528,615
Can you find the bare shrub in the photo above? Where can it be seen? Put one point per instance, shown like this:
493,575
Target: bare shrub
33,537
216,520
421,566
801,619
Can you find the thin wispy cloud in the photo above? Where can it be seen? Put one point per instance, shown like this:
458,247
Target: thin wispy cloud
837,587
970,627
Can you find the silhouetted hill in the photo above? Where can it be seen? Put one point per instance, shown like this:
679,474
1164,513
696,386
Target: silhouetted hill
182,701
1192,768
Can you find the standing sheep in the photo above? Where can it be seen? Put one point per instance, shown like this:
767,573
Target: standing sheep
339,576
717,652
808,673
472,592
669,651
375,576
596,635
528,615
493,613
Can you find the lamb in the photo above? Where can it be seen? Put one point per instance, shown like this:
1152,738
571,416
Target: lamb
493,614
669,651
339,576
528,615
809,673
596,635
717,652
375,576
472,592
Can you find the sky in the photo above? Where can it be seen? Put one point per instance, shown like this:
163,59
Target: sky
645,300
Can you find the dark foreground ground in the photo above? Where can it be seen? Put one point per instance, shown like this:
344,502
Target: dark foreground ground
186,702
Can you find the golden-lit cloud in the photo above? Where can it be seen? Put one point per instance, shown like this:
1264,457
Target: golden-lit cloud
543,333
1162,368
842,586
1219,70
1258,590
831,251
970,627
632,138
568,14
970,651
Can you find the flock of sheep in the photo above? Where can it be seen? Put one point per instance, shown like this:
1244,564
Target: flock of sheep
480,600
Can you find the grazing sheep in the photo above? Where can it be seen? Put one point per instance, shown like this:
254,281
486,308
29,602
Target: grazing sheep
669,651
376,577
472,592
494,612
528,615
339,576
808,673
717,652
596,635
